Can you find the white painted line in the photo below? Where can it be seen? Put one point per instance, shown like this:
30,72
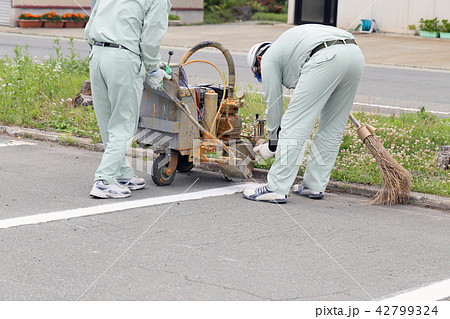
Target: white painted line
433,292
382,106
406,67
399,108
389,107
115,207
15,143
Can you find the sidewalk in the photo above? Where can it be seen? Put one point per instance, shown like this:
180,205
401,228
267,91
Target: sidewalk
378,48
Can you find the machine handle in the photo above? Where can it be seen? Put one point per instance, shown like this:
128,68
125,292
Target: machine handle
228,58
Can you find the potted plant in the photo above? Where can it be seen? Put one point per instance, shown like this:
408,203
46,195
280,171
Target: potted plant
85,18
412,29
73,20
28,20
445,29
52,20
429,28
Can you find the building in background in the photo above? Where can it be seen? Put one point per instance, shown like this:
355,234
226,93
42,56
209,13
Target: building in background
391,16
10,9
189,11
312,11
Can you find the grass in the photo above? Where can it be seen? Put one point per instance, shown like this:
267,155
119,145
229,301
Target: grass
38,94
225,16
413,140
220,16
268,16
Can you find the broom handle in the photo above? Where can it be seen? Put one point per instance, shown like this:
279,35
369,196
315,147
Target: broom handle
355,121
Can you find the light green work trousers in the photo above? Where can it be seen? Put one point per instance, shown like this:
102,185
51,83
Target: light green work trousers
117,77
326,88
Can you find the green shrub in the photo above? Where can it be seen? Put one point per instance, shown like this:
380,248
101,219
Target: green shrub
223,4
445,27
218,16
429,25
267,16
271,6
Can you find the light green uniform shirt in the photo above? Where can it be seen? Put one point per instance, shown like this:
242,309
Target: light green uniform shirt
138,25
282,63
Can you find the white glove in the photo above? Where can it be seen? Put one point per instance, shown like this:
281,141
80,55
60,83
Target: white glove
263,152
155,79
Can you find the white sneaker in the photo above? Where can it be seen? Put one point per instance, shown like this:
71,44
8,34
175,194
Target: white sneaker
102,190
302,190
262,194
133,183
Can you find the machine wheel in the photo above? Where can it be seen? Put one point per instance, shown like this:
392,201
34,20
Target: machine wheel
183,165
159,175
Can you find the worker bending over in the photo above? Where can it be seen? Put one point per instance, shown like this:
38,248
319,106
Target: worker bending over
125,36
323,65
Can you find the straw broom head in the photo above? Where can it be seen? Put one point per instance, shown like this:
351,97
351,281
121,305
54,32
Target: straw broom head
396,179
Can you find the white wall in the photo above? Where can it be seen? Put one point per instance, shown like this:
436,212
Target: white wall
5,12
291,11
189,11
391,15
189,16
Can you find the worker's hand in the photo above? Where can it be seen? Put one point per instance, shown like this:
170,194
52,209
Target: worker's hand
263,152
155,79
165,67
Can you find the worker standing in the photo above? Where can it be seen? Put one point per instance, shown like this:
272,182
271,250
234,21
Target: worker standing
323,65
125,37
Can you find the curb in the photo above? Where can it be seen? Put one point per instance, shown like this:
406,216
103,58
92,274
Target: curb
63,139
416,199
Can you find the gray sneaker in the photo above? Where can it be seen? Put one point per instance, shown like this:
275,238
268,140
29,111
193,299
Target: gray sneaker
133,183
262,194
102,190
302,190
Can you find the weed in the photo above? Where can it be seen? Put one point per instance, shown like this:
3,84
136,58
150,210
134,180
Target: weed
38,94
67,140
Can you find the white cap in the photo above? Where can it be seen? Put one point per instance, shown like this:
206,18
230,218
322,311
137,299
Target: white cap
254,52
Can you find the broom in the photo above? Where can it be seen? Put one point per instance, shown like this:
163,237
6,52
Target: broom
396,179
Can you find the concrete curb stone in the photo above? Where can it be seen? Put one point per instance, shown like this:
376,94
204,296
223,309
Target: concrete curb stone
416,199
60,138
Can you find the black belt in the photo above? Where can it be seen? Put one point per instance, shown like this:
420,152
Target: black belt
110,45
330,43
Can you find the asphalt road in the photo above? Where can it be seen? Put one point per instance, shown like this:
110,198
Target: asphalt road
383,89
198,239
